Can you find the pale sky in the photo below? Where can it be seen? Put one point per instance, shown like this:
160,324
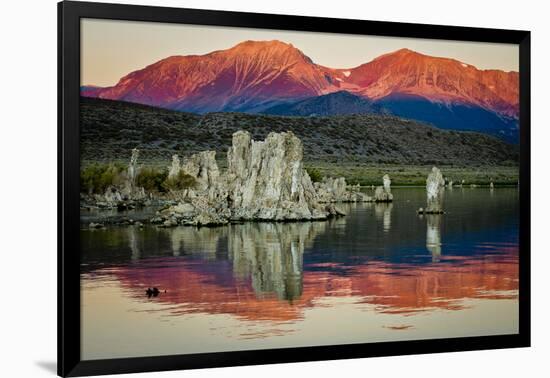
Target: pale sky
111,49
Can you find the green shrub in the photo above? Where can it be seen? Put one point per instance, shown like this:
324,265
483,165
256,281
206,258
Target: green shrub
179,182
151,179
314,174
97,177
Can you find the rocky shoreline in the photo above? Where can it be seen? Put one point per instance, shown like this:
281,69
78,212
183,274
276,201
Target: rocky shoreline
264,181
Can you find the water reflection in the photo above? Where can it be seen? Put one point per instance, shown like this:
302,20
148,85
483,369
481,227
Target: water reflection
433,235
204,240
383,212
381,258
256,271
133,243
265,282
272,255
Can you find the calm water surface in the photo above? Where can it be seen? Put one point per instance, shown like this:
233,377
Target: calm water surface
381,273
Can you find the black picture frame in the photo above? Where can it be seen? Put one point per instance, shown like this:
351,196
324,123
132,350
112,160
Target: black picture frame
69,360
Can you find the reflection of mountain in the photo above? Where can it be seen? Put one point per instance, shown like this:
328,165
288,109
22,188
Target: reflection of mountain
392,288
408,288
256,75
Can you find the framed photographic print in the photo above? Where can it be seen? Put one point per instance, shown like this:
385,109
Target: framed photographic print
239,188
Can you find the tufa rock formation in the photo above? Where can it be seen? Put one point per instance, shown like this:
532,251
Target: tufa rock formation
125,194
434,190
132,170
335,190
175,167
112,196
203,167
265,180
331,189
130,190
383,193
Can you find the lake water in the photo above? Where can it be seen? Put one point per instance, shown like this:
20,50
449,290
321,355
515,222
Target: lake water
381,273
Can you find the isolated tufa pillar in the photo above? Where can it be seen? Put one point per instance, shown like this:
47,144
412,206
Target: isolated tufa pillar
434,191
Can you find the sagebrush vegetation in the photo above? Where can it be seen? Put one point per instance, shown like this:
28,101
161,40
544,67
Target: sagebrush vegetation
97,177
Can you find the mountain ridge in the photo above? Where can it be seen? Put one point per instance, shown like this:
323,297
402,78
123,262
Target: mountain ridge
255,76
334,103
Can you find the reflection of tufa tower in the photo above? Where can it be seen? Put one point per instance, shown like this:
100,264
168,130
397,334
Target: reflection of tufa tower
383,211
272,255
203,241
133,243
433,235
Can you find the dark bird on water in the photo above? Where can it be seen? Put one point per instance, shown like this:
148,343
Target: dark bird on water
154,292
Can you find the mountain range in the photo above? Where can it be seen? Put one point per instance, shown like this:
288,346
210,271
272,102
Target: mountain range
274,77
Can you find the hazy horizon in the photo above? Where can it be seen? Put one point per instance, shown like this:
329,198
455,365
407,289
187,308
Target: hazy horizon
111,49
